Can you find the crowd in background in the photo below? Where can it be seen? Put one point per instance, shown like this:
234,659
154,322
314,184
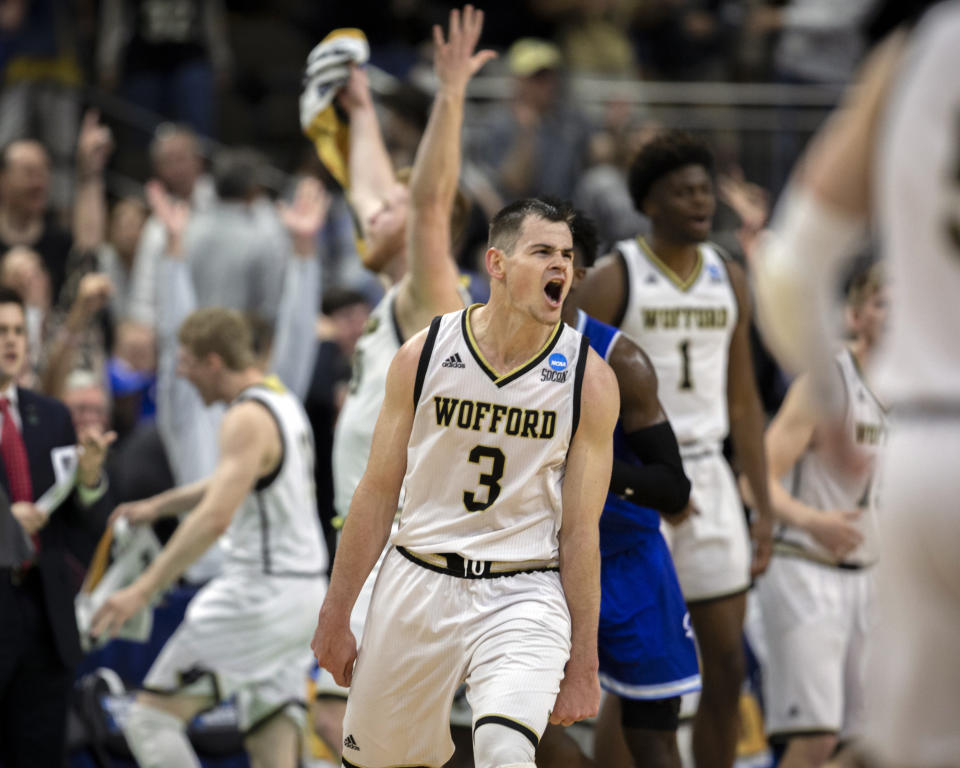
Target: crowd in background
115,222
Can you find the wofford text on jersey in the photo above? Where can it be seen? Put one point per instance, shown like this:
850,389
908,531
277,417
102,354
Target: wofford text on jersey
477,415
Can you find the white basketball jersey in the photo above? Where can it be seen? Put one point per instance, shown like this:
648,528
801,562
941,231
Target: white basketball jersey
353,434
918,203
817,482
685,328
487,453
276,530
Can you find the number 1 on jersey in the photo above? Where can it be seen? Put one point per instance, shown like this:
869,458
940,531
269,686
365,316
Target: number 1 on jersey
686,380
489,479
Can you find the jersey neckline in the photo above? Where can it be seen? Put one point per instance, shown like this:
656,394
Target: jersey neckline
496,378
663,267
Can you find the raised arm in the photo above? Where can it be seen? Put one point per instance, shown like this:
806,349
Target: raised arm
295,347
250,445
585,484
747,422
430,286
372,510
659,481
373,184
820,222
94,146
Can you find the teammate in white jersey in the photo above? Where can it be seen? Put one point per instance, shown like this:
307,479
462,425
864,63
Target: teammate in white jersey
409,238
247,631
498,421
689,309
816,598
892,155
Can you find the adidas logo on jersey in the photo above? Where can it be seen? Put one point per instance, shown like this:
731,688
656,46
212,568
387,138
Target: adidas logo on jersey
350,743
453,361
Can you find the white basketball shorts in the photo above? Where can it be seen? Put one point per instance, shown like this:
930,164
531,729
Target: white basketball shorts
507,638
711,550
247,635
817,620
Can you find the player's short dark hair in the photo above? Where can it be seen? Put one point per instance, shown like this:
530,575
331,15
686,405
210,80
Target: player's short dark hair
9,296
506,224
662,155
586,239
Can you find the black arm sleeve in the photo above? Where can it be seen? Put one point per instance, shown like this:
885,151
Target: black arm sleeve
660,483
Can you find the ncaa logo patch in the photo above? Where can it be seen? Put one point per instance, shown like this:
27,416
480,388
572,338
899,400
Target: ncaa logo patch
558,362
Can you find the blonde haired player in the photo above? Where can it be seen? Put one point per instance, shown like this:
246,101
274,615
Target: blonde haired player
498,421
816,598
893,152
246,632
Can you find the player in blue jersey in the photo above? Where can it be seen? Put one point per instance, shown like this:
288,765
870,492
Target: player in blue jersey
646,648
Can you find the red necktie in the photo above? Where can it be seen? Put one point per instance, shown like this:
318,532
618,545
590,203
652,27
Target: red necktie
14,455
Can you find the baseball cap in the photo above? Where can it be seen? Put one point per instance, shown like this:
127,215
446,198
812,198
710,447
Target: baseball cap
530,55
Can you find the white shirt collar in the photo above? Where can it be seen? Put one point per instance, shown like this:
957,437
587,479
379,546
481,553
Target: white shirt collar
10,393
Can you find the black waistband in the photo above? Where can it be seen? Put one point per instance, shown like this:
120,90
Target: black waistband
789,549
453,564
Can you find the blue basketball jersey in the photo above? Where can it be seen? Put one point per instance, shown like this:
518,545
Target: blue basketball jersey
645,641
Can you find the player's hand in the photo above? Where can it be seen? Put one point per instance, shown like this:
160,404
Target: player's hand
30,517
335,647
115,612
93,445
579,696
454,59
835,531
356,93
685,514
140,512
761,534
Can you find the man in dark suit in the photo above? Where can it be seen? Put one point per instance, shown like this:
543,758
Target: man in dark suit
39,644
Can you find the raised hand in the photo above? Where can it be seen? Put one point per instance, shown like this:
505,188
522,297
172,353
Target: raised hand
93,451
454,59
173,214
304,218
94,145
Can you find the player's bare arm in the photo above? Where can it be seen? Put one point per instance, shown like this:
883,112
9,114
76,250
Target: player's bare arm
602,293
250,448
660,483
791,433
372,510
373,184
821,222
430,286
170,503
585,484
747,422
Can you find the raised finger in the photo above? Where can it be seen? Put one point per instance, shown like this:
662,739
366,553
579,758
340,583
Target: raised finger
454,31
437,37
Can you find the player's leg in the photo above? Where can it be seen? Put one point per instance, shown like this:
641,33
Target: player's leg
913,703
650,730
719,627
557,750
326,715
520,639
274,743
156,728
609,744
408,668
808,620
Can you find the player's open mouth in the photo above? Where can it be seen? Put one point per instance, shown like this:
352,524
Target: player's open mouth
554,291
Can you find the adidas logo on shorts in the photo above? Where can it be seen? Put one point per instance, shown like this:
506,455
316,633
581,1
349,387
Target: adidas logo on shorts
453,361
350,743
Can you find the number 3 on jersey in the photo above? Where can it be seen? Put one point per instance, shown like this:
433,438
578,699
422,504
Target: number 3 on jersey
491,479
